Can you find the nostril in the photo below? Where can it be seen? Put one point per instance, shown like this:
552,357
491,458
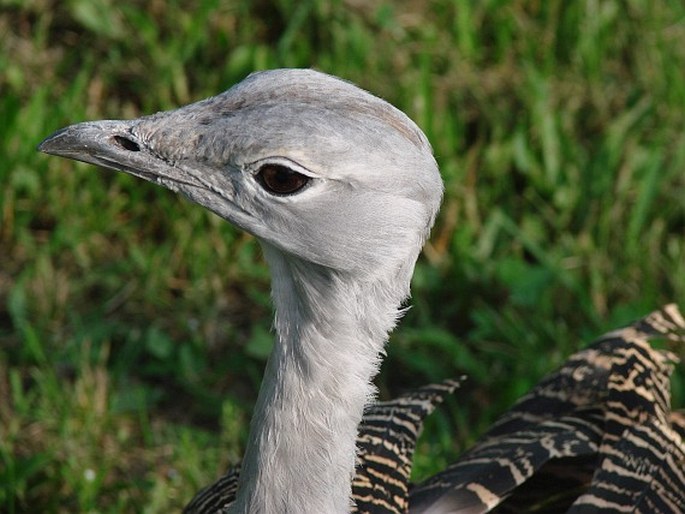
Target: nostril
127,143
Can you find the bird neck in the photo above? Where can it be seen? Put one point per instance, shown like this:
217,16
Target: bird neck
331,331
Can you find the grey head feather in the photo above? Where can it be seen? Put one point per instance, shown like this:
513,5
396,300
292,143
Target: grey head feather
375,187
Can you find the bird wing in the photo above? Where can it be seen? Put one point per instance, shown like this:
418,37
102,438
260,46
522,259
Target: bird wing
597,431
642,456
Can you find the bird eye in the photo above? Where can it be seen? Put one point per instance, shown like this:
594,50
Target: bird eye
281,180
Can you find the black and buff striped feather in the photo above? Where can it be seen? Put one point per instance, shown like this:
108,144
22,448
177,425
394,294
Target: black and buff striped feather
386,442
598,435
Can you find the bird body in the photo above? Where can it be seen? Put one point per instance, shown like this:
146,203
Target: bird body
341,190
596,434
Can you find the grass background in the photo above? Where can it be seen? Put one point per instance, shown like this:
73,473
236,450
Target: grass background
134,326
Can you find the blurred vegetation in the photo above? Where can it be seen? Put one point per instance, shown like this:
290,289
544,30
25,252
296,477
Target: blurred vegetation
134,326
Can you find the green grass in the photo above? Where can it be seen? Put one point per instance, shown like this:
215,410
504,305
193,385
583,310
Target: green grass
134,326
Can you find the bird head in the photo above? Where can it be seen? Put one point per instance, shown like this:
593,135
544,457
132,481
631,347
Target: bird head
309,164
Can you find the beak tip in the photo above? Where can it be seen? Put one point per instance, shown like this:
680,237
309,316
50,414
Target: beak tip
50,145
43,146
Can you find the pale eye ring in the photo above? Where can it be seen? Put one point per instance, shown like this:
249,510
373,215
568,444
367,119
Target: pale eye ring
281,180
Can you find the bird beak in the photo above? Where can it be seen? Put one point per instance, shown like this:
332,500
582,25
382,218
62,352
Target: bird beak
111,144
87,142
114,144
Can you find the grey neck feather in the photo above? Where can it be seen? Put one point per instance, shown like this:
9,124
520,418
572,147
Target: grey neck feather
331,331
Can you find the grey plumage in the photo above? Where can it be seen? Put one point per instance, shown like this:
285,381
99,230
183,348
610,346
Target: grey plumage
341,190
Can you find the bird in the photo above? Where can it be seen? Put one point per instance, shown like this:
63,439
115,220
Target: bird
341,189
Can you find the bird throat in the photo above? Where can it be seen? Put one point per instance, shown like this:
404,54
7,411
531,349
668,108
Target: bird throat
330,334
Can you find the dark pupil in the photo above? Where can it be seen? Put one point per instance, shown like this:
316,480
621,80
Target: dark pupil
281,180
